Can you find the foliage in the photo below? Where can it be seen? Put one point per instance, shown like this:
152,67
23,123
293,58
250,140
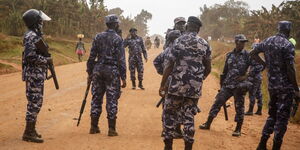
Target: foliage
69,17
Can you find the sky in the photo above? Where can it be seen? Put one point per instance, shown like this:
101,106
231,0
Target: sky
164,11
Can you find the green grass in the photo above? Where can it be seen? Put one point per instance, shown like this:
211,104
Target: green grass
4,69
62,50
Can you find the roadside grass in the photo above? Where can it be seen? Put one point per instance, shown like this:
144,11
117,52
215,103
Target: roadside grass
62,51
4,69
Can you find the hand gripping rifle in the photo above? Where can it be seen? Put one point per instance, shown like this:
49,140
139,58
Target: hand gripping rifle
84,100
295,105
42,48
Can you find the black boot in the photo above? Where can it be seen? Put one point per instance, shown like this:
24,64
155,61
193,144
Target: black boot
178,132
206,125
112,127
35,132
94,125
133,84
29,134
276,145
237,131
168,144
141,85
188,145
250,111
263,143
259,109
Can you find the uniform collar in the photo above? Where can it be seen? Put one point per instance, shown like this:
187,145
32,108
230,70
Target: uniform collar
282,35
240,53
111,30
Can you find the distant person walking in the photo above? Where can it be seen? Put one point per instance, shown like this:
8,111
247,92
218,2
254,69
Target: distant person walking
80,50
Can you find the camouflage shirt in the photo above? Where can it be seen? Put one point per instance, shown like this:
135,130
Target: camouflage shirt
162,59
236,65
188,54
278,52
136,47
255,71
108,50
34,64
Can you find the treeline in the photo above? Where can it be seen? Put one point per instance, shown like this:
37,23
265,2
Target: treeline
233,17
69,17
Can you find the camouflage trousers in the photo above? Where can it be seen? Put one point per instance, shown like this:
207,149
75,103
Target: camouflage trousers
34,94
179,116
223,96
136,63
106,82
174,104
279,113
255,93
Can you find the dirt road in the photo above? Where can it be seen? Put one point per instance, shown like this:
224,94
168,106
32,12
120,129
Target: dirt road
138,124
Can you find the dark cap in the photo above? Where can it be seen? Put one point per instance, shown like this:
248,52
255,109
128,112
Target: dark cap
195,20
179,19
112,19
132,29
284,25
241,38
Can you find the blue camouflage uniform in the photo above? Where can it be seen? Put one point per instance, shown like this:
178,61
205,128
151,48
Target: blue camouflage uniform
255,77
136,48
236,65
106,72
185,84
34,74
162,60
278,52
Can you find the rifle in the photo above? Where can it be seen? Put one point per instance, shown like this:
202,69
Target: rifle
295,105
159,102
222,78
84,101
43,50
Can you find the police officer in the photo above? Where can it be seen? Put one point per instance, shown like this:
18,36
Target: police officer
159,63
279,56
179,24
148,43
255,78
105,66
34,71
157,42
189,64
136,48
233,83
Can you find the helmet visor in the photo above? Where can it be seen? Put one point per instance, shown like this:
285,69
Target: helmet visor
44,16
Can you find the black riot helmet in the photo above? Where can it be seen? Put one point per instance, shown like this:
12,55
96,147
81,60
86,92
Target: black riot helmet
33,17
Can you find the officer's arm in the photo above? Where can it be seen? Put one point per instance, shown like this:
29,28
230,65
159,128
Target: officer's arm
122,60
207,63
289,56
167,71
158,64
144,49
93,55
225,71
125,43
254,54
